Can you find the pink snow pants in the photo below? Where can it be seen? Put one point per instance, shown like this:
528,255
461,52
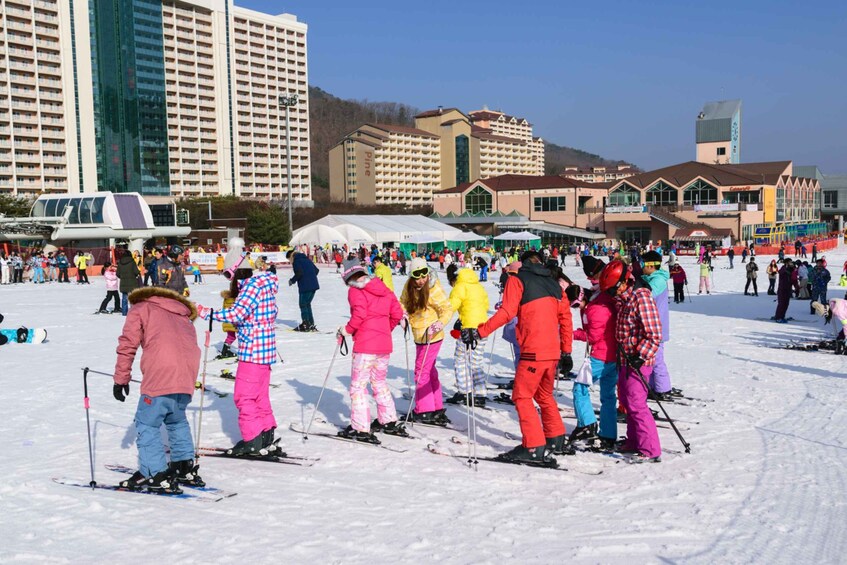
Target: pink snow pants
705,284
427,386
370,368
641,433
255,414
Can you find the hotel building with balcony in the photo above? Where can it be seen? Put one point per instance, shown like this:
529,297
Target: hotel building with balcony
599,173
445,148
166,99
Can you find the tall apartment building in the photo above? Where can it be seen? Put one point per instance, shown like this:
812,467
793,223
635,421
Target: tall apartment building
171,98
445,148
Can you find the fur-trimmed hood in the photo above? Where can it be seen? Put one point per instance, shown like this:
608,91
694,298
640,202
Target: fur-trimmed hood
145,293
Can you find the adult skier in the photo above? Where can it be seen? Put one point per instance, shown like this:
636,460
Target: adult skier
306,277
170,273
128,274
638,331
783,293
773,271
680,279
820,277
160,322
383,272
429,311
752,273
254,315
545,333
657,279
469,299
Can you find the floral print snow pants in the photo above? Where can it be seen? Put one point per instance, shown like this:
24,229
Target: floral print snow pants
370,368
470,378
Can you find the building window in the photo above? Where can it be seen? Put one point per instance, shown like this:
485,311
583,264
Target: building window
549,204
661,194
721,151
700,193
625,195
478,200
462,159
830,199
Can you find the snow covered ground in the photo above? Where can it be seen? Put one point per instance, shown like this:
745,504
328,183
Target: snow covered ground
764,482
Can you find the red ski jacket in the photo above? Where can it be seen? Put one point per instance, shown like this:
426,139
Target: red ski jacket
545,328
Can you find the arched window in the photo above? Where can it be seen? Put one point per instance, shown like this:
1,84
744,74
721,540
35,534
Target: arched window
661,194
478,200
625,195
700,193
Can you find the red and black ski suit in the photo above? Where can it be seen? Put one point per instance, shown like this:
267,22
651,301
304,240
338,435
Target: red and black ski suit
544,331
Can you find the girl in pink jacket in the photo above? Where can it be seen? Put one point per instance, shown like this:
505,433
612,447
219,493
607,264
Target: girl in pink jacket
110,275
374,313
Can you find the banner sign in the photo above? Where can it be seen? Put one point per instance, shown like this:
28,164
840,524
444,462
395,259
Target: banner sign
211,258
625,209
716,207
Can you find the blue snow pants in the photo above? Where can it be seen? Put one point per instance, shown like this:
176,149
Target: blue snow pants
607,374
152,412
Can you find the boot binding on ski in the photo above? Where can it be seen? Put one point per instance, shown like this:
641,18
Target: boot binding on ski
185,473
532,456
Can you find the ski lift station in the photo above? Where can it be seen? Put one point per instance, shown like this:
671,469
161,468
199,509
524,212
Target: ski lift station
103,216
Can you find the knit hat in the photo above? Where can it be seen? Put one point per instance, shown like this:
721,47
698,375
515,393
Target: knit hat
651,257
351,272
592,266
513,267
417,264
234,258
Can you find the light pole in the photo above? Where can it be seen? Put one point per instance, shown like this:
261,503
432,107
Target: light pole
288,102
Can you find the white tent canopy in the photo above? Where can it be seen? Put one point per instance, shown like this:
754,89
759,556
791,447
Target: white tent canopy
317,235
422,238
524,236
466,236
354,235
382,229
509,235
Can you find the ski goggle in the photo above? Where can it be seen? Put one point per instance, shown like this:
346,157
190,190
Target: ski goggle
651,264
420,273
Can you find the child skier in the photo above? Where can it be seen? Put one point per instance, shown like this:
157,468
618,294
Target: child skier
110,275
469,299
226,351
374,313
680,279
254,315
160,322
429,311
705,275
657,279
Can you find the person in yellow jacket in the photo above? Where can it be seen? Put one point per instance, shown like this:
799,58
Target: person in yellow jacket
226,352
383,272
470,300
81,261
429,310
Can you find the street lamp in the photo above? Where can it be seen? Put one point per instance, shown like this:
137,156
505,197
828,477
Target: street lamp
287,102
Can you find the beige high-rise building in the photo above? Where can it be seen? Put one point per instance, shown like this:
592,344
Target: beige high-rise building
445,148
172,98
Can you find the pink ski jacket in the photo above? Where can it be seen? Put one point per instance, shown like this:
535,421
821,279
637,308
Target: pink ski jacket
160,322
374,312
598,327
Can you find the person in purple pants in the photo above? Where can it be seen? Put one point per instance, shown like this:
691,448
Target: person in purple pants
657,278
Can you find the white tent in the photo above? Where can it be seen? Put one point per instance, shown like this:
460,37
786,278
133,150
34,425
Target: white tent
354,234
382,229
524,236
508,235
317,235
466,236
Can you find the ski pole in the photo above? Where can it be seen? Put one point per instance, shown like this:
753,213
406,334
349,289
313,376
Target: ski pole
471,403
342,347
203,384
671,422
86,404
406,345
687,291
491,355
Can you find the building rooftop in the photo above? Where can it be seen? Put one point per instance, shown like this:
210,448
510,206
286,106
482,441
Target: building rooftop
522,182
720,175
402,129
720,110
437,112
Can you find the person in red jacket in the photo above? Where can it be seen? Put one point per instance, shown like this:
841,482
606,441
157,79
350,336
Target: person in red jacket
638,331
545,335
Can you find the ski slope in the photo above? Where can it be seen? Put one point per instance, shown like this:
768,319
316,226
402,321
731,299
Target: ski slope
764,482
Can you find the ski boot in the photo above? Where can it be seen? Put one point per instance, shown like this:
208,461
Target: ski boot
22,335
364,437
604,445
676,392
839,347
441,418
583,433
394,428
638,457
458,398
303,327
661,396
244,448
136,482
311,328
227,374
535,456
226,353
479,401
186,473
164,482
558,446
427,418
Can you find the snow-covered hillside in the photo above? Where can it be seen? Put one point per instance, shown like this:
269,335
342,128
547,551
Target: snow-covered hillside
765,480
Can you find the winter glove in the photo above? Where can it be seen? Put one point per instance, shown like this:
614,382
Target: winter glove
634,361
404,323
565,364
456,332
203,311
1,318
186,292
435,328
342,331
470,337
291,282
120,391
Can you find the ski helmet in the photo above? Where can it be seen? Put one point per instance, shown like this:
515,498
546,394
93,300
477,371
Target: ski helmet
613,276
175,251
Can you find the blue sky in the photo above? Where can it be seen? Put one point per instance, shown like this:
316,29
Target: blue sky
623,79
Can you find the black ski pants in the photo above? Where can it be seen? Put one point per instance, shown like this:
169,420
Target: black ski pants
678,292
772,285
755,287
111,294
